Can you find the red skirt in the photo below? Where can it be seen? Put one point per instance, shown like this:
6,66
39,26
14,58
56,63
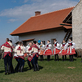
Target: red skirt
56,51
71,51
63,52
48,52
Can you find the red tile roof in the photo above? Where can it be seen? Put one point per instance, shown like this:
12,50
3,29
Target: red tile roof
43,22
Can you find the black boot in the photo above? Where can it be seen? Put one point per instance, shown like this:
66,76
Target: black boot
37,67
21,69
17,68
48,57
5,70
34,67
62,58
9,70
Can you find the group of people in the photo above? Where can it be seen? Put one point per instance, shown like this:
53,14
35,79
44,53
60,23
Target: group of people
32,51
58,49
19,52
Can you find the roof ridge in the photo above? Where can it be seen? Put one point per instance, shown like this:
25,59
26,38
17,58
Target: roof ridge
53,11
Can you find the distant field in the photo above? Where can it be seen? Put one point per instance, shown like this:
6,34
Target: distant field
51,71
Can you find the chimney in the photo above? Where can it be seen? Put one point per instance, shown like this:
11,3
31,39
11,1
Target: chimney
37,13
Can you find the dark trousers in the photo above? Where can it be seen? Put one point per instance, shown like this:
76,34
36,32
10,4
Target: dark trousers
48,58
41,57
7,61
35,63
21,64
71,57
17,66
56,57
64,57
29,64
12,69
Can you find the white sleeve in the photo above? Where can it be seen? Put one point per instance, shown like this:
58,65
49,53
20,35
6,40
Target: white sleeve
73,46
50,46
2,48
58,46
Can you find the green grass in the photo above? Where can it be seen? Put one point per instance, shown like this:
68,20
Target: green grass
49,72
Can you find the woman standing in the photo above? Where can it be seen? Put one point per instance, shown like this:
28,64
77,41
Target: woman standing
41,50
48,51
70,49
56,50
63,51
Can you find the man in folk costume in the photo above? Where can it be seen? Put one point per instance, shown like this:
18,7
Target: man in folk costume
7,47
27,54
20,50
56,50
48,51
12,69
16,57
33,50
70,49
63,50
42,49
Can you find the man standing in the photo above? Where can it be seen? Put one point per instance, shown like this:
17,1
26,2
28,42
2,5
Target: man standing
34,58
7,48
20,50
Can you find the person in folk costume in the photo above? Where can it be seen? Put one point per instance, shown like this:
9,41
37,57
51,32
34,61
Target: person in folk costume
56,50
70,49
7,47
16,57
41,50
12,68
20,50
48,51
34,57
63,50
29,60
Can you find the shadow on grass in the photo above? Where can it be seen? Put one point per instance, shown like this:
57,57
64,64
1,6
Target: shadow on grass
2,71
59,60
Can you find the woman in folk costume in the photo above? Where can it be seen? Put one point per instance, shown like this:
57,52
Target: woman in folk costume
48,51
56,50
70,49
7,48
41,51
20,50
34,50
63,50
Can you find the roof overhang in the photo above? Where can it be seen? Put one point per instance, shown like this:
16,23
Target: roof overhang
28,40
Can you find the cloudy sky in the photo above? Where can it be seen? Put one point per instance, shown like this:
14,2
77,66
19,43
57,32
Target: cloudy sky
15,12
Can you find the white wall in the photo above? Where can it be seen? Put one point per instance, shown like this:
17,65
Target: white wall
77,25
58,34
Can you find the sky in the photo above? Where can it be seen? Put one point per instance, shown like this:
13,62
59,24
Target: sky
13,13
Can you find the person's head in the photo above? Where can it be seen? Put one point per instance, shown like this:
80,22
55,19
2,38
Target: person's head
10,41
34,42
30,44
41,42
48,41
70,39
55,40
21,43
7,39
64,41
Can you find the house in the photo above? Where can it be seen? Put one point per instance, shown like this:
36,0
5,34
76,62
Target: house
77,25
57,24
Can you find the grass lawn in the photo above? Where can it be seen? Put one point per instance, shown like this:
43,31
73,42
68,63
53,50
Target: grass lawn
51,71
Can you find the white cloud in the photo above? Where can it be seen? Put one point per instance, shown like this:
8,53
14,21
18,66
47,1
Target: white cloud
12,20
27,10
